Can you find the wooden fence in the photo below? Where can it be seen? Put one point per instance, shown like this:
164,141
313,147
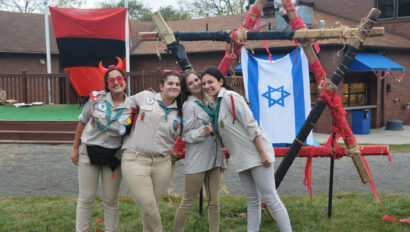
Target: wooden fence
34,87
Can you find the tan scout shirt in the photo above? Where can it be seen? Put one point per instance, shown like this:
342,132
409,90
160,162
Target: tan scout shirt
96,110
238,135
203,152
153,134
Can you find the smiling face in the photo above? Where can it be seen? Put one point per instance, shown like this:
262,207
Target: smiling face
171,87
211,85
116,82
193,84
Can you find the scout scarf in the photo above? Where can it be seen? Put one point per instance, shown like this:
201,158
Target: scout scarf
212,112
167,110
117,115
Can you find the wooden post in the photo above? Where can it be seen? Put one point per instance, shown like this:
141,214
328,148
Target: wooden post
67,86
24,86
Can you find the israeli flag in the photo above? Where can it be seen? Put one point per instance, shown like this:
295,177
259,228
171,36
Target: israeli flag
279,94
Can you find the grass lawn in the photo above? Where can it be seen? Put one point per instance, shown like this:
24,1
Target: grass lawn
41,113
351,212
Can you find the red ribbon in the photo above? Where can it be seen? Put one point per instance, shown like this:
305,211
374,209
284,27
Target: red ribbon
386,217
317,70
398,79
308,177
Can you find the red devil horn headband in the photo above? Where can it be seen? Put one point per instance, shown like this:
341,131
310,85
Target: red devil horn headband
103,70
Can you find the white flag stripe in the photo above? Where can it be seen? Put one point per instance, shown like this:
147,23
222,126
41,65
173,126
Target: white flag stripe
279,93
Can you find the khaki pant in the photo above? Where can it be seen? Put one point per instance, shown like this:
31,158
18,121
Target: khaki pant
88,176
193,183
147,178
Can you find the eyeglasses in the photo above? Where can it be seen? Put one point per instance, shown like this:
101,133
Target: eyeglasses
119,79
169,71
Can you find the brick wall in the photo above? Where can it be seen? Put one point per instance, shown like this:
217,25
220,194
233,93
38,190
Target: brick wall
351,9
357,9
399,90
17,63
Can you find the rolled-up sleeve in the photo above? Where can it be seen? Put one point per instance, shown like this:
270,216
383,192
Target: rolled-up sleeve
191,134
245,116
86,113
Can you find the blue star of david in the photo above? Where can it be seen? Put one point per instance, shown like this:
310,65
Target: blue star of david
280,101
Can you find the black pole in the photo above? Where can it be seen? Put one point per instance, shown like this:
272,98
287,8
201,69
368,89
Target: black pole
320,104
201,197
329,206
225,35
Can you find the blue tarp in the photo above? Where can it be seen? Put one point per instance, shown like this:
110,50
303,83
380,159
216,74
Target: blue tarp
361,62
373,61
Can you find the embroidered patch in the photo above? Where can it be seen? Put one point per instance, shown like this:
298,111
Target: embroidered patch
150,100
240,111
122,130
129,121
176,125
99,124
221,124
142,116
92,121
102,106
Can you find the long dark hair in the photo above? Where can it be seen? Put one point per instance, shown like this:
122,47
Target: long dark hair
213,71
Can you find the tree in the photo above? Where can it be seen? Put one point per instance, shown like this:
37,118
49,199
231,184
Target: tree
35,6
201,8
136,10
171,14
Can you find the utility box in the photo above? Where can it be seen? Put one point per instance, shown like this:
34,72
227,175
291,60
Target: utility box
361,121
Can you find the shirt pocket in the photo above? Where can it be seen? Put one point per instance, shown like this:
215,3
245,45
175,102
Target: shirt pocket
146,114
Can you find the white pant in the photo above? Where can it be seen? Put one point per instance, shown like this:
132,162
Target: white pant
261,180
88,176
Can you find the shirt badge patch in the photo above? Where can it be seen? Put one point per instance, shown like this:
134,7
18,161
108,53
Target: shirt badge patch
150,100
102,107
121,130
240,111
221,124
176,125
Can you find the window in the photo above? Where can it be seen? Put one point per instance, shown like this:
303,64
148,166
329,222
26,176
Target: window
393,8
354,93
404,8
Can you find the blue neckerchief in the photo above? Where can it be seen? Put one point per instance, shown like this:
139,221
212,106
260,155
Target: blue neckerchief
109,115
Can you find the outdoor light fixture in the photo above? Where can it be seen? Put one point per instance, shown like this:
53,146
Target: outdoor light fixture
42,61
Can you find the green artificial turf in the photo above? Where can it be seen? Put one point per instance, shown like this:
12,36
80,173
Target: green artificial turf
40,113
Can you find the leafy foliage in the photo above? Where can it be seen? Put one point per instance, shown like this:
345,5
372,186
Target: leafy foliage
35,6
201,8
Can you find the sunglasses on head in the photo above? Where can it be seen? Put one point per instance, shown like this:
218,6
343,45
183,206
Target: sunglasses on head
119,79
169,71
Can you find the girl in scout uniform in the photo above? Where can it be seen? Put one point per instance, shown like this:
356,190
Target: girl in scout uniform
146,159
251,154
96,149
203,157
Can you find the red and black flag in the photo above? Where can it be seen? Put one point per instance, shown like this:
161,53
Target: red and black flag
84,38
